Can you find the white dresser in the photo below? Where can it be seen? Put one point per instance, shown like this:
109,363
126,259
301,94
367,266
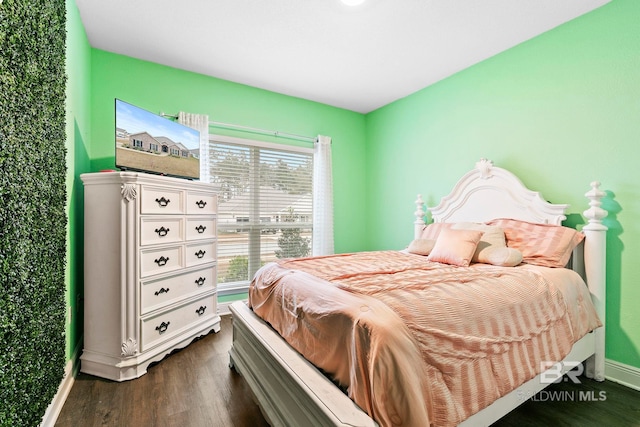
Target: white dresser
149,269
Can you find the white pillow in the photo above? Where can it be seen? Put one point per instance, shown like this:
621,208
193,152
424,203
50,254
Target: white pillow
503,257
421,246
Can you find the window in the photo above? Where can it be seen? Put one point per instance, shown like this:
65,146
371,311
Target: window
265,206
137,143
153,147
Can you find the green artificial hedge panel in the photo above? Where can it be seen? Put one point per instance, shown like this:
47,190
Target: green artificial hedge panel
32,207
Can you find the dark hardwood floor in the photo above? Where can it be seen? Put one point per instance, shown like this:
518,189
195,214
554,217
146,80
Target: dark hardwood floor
191,387
194,387
590,403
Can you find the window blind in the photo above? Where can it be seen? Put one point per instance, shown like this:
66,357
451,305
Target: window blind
265,207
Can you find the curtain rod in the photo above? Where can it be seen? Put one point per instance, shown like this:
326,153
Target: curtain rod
232,126
264,131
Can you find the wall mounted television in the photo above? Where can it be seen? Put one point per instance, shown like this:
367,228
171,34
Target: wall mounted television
148,142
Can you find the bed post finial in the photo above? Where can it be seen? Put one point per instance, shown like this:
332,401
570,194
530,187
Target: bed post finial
595,263
419,223
595,214
484,167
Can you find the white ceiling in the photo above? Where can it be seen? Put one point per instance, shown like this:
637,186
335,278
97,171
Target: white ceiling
358,58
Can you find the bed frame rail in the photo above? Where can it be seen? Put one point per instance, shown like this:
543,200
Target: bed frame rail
289,390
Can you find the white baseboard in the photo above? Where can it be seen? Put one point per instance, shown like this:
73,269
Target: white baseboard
70,371
622,374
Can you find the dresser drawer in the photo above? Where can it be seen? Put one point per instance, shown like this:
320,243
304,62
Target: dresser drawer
200,253
201,203
159,328
163,260
154,230
161,292
201,228
161,200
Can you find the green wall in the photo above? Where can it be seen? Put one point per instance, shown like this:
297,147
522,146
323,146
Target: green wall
78,71
561,110
163,89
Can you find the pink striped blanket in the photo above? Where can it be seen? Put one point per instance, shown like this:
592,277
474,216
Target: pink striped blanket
417,343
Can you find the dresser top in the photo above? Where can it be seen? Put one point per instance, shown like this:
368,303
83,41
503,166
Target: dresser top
101,178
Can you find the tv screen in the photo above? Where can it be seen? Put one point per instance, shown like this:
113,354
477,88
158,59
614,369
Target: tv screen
148,142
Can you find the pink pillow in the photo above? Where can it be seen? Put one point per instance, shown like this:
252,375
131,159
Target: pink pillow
455,247
540,244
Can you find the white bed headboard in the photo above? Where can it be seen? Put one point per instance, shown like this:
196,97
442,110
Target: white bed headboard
488,192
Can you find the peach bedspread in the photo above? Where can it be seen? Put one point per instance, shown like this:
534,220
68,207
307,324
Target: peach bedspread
414,342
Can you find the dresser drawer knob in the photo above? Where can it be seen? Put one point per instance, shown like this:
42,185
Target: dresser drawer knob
162,231
161,261
200,281
201,204
162,291
200,253
201,310
163,202
200,229
163,327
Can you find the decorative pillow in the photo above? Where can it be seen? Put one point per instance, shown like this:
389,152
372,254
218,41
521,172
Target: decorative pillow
421,246
501,256
455,247
492,237
431,231
540,244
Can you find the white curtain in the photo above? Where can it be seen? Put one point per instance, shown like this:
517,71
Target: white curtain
199,122
322,197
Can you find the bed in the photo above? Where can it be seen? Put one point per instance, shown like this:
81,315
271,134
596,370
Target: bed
389,363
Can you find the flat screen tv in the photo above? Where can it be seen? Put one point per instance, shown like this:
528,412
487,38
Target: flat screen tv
148,142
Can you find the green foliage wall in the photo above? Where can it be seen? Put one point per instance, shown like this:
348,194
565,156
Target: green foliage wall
32,207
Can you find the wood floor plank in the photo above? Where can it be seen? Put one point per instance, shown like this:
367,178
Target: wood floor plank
195,387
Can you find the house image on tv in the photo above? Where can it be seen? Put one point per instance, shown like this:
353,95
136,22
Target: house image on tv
160,144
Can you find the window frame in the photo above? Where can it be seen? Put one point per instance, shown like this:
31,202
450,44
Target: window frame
299,147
